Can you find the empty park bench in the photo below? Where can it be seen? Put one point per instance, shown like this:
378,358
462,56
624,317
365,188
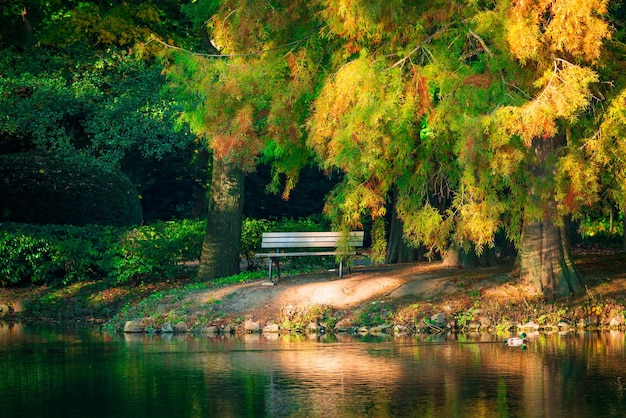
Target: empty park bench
308,244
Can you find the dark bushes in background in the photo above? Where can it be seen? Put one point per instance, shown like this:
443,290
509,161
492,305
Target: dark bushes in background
46,189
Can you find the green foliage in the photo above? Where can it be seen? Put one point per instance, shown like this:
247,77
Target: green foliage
251,234
464,318
62,189
110,106
64,254
375,313
154,251
54,254
602,229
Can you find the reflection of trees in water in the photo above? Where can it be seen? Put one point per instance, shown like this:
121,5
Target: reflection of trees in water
574,374
475,378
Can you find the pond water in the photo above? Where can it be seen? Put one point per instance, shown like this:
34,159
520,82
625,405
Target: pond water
76,372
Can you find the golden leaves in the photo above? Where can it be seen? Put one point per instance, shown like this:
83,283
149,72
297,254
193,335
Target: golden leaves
607,148
425,226
565,28
358,20
564,93
579,183
365,123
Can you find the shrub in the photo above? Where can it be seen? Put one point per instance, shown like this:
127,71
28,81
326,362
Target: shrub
51,254
75,190
155,251
55,254
64,254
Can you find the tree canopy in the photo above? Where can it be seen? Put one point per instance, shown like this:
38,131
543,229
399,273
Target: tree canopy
479,116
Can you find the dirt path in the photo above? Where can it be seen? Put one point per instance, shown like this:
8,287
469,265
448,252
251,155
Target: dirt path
425,280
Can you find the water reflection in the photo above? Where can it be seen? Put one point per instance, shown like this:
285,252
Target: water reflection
78,372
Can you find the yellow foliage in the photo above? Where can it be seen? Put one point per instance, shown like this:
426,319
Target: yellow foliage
579,183
539,29
425,226
359,20
564,93
607,148
477,216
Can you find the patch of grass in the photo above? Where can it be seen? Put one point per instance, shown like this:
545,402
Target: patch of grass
375,313
160,307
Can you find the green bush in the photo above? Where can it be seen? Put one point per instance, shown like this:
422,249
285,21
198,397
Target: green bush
64,254
51,254
65,190
155,251
55,254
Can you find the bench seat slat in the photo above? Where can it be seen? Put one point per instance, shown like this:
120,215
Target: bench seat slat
303,254
307,244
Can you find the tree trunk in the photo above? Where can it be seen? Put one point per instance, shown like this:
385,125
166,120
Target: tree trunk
624,233
545,257
545,260
220,250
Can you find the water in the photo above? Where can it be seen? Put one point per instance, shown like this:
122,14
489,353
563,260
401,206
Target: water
52,372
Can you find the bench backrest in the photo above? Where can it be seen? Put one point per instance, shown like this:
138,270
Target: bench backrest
309,239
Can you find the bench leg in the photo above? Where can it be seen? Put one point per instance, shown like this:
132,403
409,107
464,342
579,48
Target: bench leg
272,260
341,268
270,271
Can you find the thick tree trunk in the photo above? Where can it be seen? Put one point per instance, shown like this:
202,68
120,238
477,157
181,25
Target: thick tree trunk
545,257
624,233
545,260
220,250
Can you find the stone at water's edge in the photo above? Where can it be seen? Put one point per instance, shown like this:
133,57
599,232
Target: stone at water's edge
344,325
167,328
271,328
617,321
400,330
4,309
251,326
180,328
312,328
134,326
438,320
212,329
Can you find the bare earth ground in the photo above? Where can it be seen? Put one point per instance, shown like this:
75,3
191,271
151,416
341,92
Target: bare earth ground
605,277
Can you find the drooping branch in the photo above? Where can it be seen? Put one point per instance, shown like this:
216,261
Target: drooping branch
241,55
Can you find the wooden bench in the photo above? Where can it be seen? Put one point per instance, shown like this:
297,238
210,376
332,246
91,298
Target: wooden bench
308,244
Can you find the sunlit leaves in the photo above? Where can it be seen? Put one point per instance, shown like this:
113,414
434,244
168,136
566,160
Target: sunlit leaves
426,226
364,23
365,124
578,183
607,148
564,93
568,28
